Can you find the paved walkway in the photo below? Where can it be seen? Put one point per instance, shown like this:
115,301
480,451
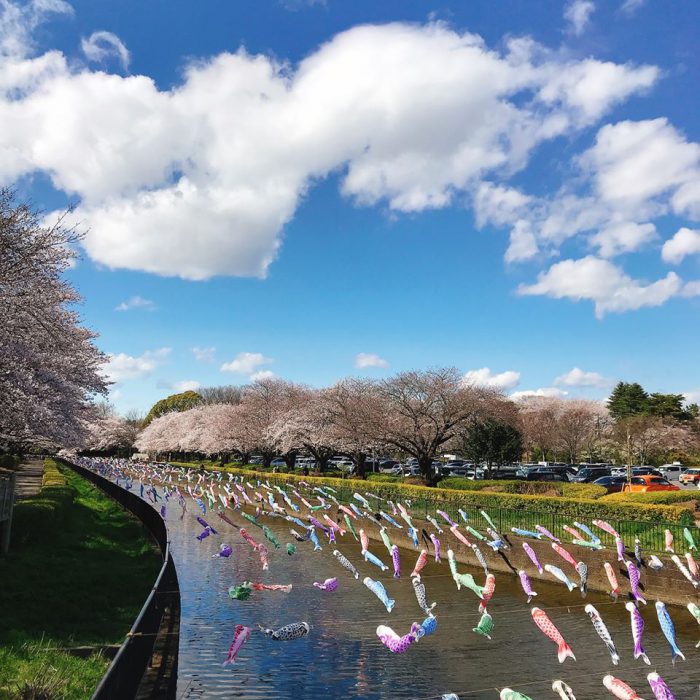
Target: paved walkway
29,478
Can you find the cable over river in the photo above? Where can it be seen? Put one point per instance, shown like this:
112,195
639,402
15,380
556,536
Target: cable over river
342,657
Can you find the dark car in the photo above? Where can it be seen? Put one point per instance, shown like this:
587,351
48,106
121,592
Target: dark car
586,475
613,484
546,476
563,471
646,471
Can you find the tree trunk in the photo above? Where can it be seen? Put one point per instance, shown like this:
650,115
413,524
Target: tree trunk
290,459
267,457
360,460
427,472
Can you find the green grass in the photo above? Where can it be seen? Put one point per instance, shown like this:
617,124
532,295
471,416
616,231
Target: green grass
77,580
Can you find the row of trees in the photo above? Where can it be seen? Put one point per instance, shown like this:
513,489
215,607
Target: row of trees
413,414
49,366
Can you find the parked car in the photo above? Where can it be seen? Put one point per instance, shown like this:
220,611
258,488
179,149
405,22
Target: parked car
690,476
613,484
562,470
587,475
649,482
278,462
546,476
645,471
671,471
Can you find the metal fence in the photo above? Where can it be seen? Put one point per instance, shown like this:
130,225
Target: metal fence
146,664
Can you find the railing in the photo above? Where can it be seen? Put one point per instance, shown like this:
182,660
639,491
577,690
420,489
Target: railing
155,632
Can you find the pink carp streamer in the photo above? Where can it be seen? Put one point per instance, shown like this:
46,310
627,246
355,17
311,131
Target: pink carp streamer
573,532
564,554
393,642
455,531
614,585
422,559
541,619
603,525
488,591
248,538
283,588
240,636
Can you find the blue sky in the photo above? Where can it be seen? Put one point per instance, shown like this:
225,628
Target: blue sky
369,187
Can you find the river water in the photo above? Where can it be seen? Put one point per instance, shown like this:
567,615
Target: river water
342,656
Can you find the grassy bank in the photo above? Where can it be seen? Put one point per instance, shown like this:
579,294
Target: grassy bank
77,574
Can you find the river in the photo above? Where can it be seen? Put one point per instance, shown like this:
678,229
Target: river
342,657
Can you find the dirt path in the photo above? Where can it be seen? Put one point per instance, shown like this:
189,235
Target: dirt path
29,477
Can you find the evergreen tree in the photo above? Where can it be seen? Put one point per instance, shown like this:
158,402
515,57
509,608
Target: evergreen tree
175,402
669,406
628,399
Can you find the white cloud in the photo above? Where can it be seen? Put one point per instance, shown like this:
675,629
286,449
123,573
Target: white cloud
629,7
499,205
185,385
485,377
136,302
633,162
578,14
577,377
548,391
101,45
246,363
684,242
194,181
591,86
262,374
622,237
204,354
691,289
692,396
19,20
121,367
610,289
365,359
523,243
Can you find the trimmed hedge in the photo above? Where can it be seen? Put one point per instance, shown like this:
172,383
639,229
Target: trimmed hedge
571,508
39,515
384,478
525,488
657,497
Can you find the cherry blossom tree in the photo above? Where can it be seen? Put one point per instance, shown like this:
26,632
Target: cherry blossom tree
351,405
307,426
49,366
539,417
420,412
111,434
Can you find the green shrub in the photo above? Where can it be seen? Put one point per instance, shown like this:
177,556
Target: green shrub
526,488
384,478
654,497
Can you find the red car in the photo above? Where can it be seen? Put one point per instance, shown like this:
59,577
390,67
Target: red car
690,476
649,482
